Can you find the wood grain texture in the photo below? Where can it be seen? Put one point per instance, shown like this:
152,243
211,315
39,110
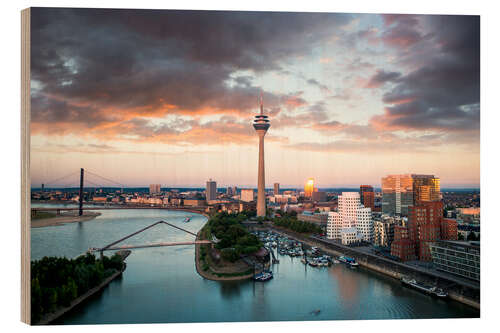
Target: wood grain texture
25,166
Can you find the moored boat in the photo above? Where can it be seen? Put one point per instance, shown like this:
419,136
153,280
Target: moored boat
350,261
264,276
433,291
313,263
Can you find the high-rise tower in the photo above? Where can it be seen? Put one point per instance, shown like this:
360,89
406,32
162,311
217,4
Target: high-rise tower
261,125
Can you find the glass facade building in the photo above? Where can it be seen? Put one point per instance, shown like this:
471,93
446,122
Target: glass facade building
459,258
309,188
399,192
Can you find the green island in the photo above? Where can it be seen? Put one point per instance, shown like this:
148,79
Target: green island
56,282
223,261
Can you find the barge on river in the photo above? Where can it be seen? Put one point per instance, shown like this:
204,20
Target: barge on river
433,291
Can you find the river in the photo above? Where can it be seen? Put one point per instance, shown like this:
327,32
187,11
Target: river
161,285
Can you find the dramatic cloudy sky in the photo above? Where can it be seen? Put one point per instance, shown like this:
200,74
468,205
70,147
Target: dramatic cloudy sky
168,96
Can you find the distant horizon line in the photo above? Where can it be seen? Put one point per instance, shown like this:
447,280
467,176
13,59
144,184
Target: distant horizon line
249,187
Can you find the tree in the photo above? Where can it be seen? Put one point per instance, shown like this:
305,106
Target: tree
472,236
55,282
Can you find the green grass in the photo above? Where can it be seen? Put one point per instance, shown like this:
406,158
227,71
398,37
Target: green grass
43,215
248,271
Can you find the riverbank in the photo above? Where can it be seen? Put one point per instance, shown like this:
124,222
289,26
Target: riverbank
63,219
60,312
386,270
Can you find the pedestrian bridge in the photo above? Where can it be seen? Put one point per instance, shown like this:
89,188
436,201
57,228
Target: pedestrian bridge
113,245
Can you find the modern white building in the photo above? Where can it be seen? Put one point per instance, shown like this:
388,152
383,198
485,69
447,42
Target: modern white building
348,204
351,214
364,223
350,235
334,225
247,195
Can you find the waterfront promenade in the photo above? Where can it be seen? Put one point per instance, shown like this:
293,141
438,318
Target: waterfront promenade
461,290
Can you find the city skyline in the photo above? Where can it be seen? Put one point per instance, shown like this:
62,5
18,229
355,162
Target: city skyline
160,103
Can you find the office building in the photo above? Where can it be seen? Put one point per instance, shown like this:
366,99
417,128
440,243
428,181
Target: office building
367,196
247,195
211,190
399,192
402,247
470,216
449,229
426,188
321,219
350,214
459,258
276,188
319,196
154,188
309,188
194,202
424,225
261,125
349,236
364,223
348,204
334,225
383,233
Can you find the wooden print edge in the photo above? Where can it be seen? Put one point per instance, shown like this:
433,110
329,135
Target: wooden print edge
25,166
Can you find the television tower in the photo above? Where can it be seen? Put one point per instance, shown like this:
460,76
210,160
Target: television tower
261,125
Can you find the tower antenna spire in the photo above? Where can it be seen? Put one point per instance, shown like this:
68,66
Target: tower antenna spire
261,104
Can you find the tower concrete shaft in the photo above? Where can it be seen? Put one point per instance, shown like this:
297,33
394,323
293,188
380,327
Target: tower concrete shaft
261,185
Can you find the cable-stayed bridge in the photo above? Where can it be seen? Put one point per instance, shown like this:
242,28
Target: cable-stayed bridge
79,179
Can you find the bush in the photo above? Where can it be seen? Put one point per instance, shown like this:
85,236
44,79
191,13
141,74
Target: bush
230,254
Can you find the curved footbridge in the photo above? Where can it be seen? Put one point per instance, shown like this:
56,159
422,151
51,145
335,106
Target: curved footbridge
114,245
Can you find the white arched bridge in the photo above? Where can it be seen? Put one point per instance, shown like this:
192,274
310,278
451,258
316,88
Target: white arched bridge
114,245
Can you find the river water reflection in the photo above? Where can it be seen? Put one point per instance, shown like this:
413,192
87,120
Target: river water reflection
160,285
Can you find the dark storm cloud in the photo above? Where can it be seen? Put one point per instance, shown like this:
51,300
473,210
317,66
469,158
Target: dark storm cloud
443,94
402,30
382,77
318,84
150,63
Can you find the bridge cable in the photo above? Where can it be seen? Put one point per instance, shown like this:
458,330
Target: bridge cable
107,179
52,182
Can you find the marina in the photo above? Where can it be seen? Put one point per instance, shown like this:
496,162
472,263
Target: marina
311,256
